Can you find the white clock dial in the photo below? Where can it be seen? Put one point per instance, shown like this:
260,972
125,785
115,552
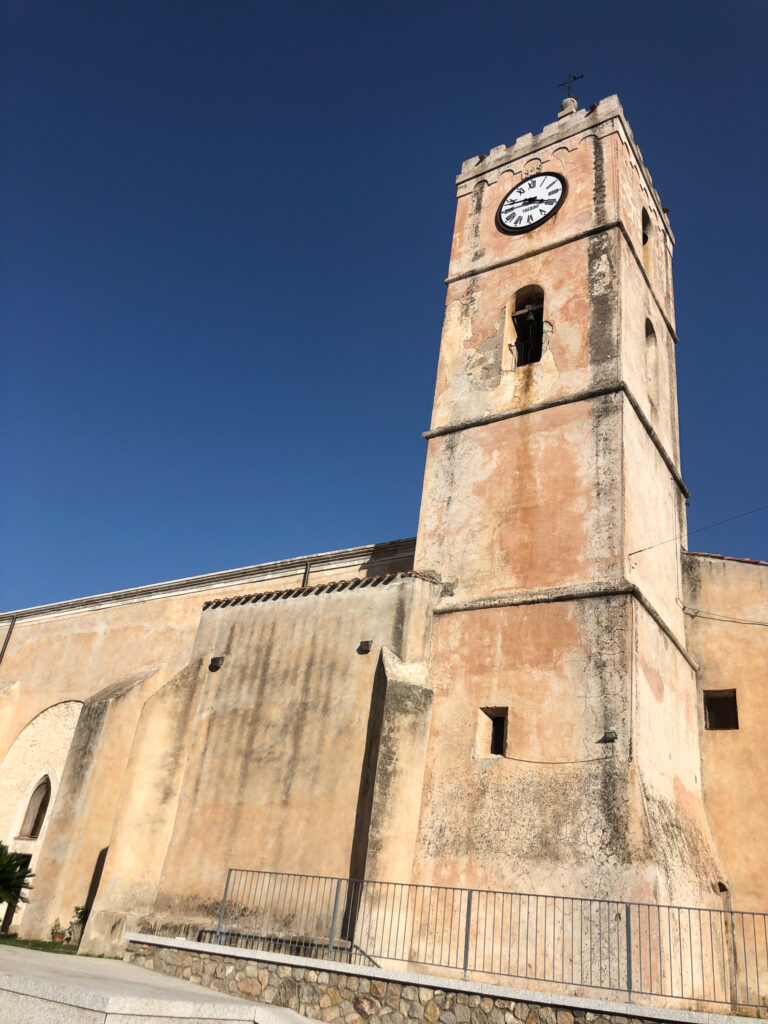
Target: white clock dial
530,203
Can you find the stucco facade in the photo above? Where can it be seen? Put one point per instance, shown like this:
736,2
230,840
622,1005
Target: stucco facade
339,714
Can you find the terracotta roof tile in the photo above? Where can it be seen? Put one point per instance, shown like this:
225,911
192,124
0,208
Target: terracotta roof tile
357,582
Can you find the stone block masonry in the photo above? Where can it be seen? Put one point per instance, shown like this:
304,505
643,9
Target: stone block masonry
346,994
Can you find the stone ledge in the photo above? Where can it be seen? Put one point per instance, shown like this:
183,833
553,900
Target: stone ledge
547,1004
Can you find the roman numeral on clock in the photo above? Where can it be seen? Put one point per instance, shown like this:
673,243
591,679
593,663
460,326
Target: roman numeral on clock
530,203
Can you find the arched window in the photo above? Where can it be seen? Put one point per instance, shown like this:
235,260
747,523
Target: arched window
651,365
528,321
36,808
647,232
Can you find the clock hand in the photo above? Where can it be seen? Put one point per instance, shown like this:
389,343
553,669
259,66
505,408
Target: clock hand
524,202
517,202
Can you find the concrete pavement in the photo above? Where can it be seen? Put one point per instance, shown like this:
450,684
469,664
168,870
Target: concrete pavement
38,988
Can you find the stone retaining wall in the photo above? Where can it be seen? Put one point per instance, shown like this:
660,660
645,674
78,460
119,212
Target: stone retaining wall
335,997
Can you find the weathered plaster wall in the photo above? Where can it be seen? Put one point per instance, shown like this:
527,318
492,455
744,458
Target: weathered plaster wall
526,502
41,749
667,755
61,655
83,814
74,655
635,194
393,772
551,816
73,650
654,515
649,370
727,626
271,745
278,749
475,376
146,811
563,812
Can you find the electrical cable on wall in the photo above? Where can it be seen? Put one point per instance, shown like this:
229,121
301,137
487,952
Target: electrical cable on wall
701,529
585,760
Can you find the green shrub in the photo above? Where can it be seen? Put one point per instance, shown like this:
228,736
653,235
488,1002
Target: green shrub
14,876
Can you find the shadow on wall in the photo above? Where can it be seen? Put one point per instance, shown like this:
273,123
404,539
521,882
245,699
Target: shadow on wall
394,556
359,853
93,888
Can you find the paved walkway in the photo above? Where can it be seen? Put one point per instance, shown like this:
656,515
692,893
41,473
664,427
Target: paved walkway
38,988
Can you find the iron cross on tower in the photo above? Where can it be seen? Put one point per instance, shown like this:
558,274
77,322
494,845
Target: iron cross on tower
568,83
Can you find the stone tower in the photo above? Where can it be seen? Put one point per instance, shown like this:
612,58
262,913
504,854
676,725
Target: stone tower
564,751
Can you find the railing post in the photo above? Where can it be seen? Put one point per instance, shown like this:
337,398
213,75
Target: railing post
335,914
628,928
219,928
467,924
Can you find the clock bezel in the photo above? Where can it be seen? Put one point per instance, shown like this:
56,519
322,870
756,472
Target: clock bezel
501,226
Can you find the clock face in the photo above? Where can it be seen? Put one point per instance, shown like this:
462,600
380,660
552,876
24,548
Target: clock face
530,203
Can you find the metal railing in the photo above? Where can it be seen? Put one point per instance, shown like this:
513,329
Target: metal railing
695,954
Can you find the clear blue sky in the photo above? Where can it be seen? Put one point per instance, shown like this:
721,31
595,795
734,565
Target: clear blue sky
225,231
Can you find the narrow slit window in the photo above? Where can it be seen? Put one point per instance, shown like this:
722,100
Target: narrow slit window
646,228
647,231
528,320
651,365
498,732
36,808
720,710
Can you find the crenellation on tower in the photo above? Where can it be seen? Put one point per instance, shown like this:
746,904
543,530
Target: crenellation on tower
606,111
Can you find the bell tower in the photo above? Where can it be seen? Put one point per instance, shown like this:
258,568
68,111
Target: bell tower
564,749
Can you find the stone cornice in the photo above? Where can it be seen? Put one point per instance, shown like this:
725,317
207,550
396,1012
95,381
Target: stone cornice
584,592
230,577
621,387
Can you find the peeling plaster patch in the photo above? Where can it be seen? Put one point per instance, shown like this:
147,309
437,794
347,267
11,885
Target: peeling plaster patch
603,534
602,333
484,364
680,842
561,157
476,214
9,688
655,681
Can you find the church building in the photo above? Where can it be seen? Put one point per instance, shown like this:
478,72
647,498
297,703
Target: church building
544,691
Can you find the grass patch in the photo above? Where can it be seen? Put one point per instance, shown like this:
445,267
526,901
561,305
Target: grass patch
45,947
